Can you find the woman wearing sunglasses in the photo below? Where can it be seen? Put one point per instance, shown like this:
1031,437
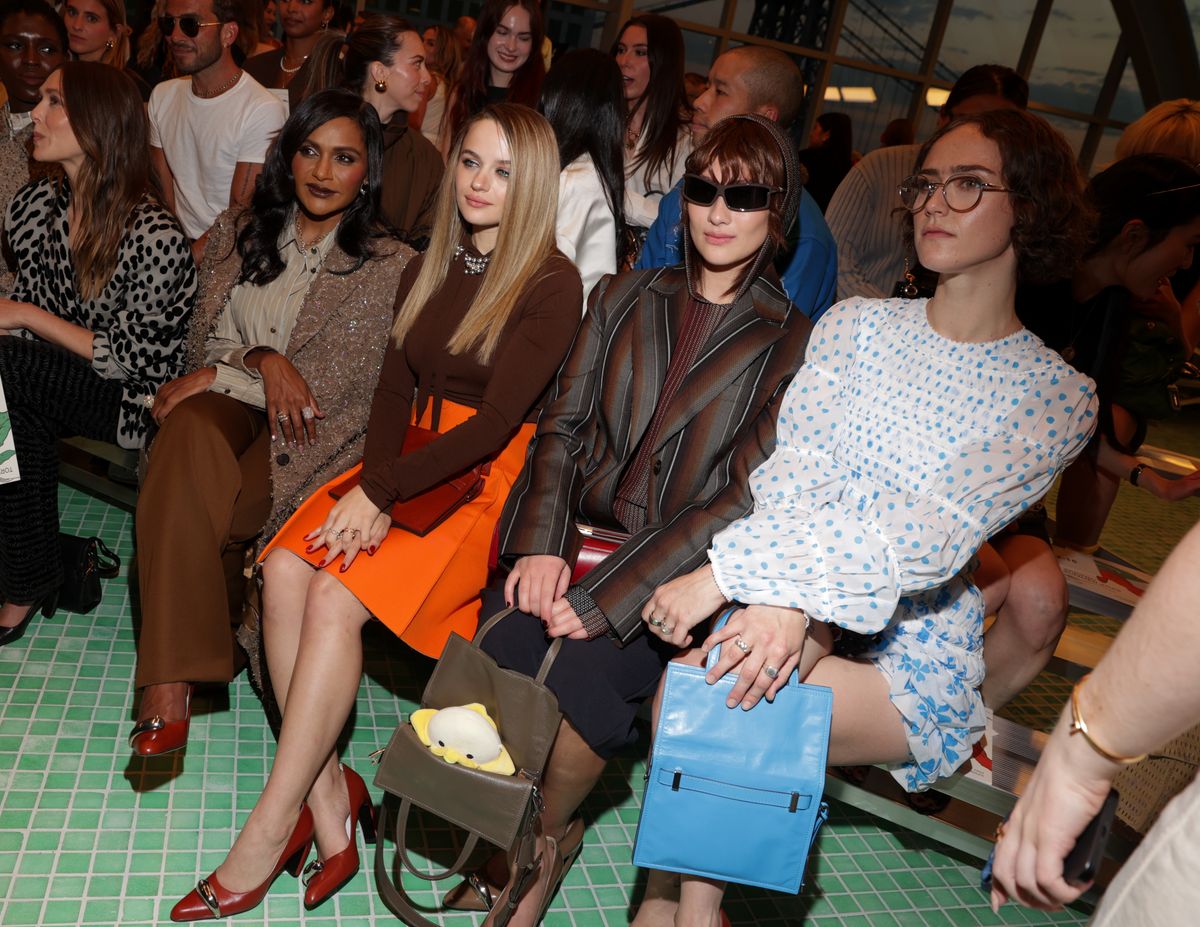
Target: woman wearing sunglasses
666,402
916,430
97,316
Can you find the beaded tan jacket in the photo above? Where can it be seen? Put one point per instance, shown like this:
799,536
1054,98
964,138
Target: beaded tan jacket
337,345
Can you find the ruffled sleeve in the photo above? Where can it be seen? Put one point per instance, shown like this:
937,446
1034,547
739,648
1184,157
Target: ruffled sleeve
845,550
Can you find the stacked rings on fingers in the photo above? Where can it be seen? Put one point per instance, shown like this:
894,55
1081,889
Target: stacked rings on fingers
741,645
282,416
307,413
770,672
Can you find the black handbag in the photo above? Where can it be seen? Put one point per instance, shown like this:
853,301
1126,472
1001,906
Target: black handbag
85,562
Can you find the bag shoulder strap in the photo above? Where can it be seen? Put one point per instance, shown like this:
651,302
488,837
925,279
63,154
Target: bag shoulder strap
551,653
108,564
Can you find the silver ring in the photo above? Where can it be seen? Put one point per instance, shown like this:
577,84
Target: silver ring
148,401
282,417
340,534
307,413
655,622
741,645
770,672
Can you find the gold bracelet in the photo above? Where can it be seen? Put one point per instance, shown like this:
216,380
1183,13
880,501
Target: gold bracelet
1079,726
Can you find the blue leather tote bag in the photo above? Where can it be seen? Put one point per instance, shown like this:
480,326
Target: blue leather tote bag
733,794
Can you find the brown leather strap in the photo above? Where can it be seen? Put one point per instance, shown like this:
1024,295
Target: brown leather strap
551,653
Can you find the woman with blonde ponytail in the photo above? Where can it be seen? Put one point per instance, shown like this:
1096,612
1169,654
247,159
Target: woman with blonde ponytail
486,316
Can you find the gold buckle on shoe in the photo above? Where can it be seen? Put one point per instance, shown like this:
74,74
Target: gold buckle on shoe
208,896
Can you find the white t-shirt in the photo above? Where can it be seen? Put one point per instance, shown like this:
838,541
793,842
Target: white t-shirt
204,140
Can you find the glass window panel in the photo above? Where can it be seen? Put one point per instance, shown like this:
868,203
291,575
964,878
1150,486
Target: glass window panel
572,26
1128,104
1074,54
870,100
983,32
1106,151
888,32
1072,129
704,12
803,24
699,51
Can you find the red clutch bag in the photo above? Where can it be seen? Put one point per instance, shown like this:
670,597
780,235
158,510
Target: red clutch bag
426,510
598,543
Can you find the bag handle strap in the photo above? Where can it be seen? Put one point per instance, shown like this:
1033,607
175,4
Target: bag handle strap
108,564
394,897
551,653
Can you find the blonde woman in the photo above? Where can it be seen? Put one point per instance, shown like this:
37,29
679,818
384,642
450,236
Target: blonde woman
1171,128
99,31
485,318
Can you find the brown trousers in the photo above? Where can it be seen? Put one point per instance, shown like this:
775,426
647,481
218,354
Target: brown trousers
206,494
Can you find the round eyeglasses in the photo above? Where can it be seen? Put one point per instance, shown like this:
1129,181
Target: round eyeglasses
962,192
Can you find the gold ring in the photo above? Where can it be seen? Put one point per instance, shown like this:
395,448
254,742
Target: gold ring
1000,831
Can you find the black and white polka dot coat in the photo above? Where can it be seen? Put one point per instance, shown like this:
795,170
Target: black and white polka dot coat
140,319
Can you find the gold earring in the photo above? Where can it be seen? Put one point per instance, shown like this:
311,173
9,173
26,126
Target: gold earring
909,289
108,46
380,86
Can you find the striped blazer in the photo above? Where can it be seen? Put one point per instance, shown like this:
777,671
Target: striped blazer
719,428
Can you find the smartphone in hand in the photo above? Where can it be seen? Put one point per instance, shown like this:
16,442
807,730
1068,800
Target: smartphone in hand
1083,862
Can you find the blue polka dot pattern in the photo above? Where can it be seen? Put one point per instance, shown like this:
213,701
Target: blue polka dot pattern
899,453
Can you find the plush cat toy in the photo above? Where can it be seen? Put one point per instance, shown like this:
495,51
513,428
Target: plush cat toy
463,734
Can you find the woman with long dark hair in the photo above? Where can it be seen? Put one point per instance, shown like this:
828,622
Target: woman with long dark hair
383,60
829,157
443,58
484,317
504,63
649,51
289,333
104,287
583,101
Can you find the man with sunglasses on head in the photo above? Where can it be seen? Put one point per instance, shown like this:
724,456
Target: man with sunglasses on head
209,130
755,79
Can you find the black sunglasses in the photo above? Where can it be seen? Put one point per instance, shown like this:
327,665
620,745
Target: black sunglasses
740,197
189,25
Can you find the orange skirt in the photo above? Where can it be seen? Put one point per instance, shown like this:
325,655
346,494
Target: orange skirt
422,588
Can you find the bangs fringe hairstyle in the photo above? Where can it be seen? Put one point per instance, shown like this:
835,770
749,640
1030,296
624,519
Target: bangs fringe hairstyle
523,245
106,114
470,92
1052,220
665,100
275,193
746,153
343,60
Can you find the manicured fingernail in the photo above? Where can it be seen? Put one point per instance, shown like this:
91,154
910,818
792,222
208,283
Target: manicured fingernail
747,704
310,549
343,568
371,550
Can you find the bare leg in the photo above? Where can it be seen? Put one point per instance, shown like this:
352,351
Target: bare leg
1086,493
321,691
1029,622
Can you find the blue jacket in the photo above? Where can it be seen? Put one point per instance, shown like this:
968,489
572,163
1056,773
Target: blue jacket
810,280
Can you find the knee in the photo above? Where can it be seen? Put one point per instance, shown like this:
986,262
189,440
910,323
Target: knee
1037,603
330,607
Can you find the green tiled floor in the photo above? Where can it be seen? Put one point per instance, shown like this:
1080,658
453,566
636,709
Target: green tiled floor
90,836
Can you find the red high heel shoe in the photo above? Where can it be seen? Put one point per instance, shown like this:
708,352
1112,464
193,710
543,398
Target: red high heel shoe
209,900
156,736
326,877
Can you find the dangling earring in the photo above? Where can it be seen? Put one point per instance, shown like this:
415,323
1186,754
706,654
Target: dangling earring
380,86
108,46
909,288
362,191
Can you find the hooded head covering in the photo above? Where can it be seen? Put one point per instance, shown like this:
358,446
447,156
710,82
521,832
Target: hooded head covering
792,186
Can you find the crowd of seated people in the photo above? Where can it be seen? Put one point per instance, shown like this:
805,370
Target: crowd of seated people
313,282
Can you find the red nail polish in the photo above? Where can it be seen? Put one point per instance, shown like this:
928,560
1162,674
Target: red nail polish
343,568
371,550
